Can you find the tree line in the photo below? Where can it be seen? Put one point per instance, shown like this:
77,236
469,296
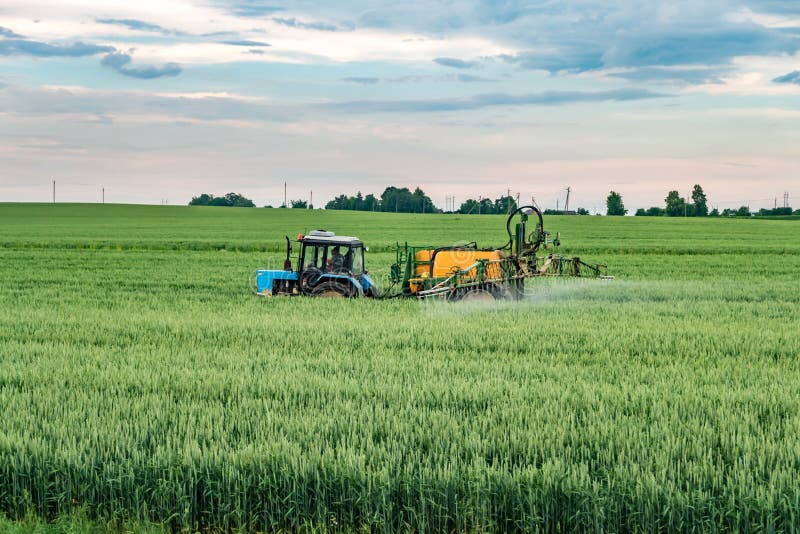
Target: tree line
403,200
677,206
393,199
230,200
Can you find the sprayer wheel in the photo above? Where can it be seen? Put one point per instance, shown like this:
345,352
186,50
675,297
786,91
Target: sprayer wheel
476,295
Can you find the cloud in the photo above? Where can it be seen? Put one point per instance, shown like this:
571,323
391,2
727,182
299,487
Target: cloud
250,8
120,62
6,32
567,58
361,80
143,106
455,63
245,42
134,24
319,26
469,78
778,7
546,98
12,47
698,46
702,75
792,77
419,78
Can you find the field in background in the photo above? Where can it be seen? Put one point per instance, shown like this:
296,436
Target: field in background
140,379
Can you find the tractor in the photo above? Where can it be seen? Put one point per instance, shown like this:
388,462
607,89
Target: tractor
328,266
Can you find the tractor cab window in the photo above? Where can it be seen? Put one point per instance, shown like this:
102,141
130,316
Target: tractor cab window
332,258
313,256
357,263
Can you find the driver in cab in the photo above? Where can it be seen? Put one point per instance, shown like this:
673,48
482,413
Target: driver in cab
336,261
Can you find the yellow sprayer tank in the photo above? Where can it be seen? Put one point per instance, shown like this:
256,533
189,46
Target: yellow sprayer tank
448,261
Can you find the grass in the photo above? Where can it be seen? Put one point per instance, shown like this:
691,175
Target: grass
141,381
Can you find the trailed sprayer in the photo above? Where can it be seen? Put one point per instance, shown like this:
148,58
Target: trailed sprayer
333,266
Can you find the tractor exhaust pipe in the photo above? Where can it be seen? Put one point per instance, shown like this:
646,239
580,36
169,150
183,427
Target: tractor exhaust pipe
287,263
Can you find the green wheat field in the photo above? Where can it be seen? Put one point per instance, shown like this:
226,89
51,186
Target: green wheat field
143,383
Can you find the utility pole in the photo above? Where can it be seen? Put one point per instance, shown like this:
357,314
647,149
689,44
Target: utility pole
311,201
566,204
285,204
785,199
686,204
556,205
54,191
104,195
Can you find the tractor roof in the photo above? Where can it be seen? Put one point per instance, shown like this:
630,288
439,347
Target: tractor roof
332,240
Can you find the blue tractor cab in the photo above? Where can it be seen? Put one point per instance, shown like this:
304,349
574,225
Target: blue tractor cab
328,266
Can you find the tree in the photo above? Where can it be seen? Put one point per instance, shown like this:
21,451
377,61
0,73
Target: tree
699,201
614,205
238,201
505,204
371,203
583,211
714,213
641,212
356,203
655,211
299,204
202,200
404,201
676,206
468,206
743,211
422,204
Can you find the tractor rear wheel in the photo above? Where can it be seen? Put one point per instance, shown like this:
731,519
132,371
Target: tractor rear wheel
332,290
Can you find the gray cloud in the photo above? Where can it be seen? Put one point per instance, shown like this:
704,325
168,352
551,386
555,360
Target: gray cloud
469,78
12,47
582,35
777,7
691,76
792,77
361,80
319,26
6,32
134,24
34,101
455,63
245,42
418,78
546,98
250,8
121,63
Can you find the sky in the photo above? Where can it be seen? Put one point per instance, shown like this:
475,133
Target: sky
157,101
